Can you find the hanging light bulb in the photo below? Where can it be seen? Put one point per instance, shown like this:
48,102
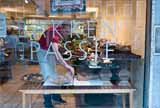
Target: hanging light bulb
26,1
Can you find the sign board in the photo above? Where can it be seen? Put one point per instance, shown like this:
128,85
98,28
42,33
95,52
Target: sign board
2,25
67,6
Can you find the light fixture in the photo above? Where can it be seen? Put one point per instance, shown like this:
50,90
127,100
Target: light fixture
26,1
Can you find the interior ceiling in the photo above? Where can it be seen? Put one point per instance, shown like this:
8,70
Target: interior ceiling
18,8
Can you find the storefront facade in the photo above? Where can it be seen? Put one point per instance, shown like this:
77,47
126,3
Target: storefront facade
151,97
129,28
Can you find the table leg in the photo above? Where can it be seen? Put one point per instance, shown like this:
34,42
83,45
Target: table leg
82,99
23,100
30,101
124,100
131,100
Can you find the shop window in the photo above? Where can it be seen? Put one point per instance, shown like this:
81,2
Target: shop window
104,40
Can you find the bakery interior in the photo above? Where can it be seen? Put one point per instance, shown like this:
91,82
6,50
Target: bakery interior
115,25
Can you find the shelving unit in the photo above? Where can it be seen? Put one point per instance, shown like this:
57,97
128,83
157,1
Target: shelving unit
91,28
5,71
5,65
34,28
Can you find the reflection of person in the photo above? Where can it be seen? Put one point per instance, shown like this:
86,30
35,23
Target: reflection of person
48,65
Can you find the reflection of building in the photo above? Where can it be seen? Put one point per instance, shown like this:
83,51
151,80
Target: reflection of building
157,38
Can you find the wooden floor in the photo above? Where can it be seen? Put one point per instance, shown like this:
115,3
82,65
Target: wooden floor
11,98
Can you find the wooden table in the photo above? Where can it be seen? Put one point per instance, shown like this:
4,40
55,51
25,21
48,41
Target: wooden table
38,88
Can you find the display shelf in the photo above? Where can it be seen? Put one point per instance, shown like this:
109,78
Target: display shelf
35,28
5,69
